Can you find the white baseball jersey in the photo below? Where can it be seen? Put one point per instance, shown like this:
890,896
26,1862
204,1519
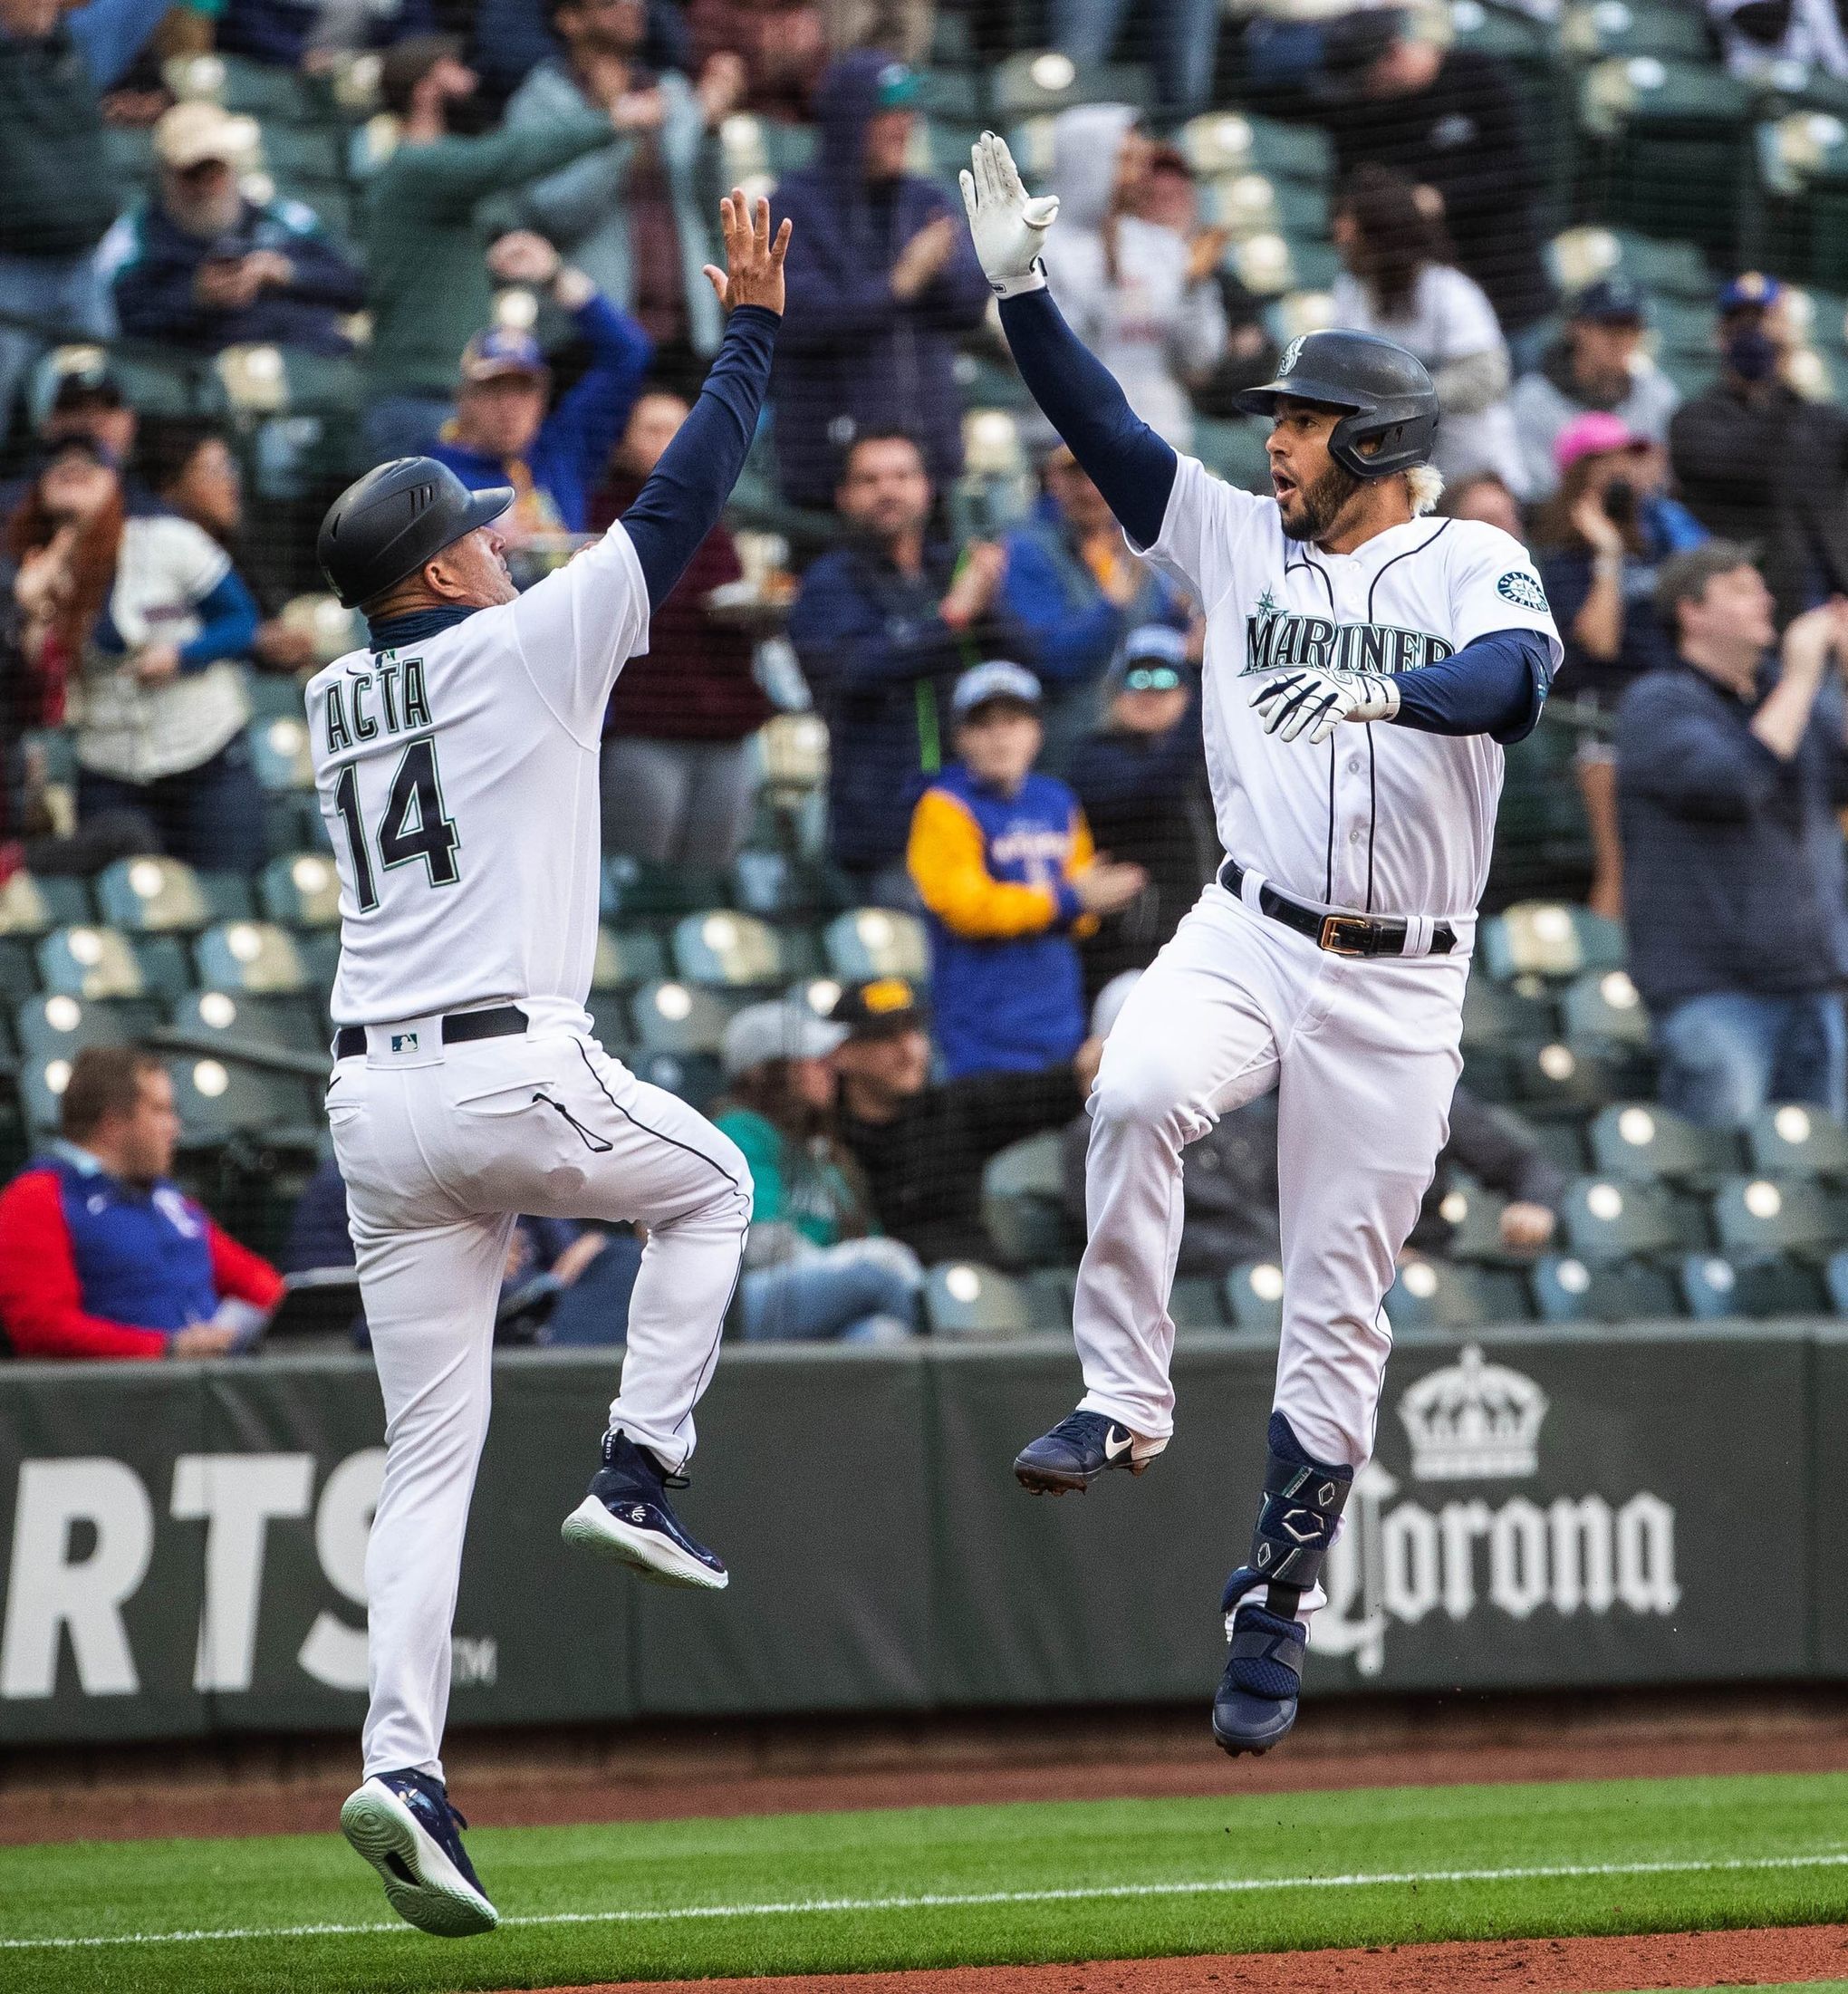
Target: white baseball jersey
458,778
1382,819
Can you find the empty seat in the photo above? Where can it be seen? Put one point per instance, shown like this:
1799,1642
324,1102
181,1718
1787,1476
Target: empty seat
59,1026
256,956
681,1018
1495,1014
1607,1220
1023,1202
285,1024
1255,1297
1792,1140
280,755
31,905
1641,1140
638,890
219,1099
877,942
1758,1216
150,895
1605,1007
1441,1294
729,951
1773,1284
1549,938
778,887
963,1298
1568,1289
90,962
695,1077
301,890
1557,1077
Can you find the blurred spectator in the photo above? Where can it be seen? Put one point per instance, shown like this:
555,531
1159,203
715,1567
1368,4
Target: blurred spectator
1756,462
1451,119
429,290
1483,496
1180,34
883,626
782,44
186,466
1730,770
1399,283
501,433
902,27
200,267
677,750
1765,38
1139,294
1074,587
143,616
922,1144
1598,364
1003,860
101,1255
1141,778
87,402
303,34
632,214
58,191
1600,541
512,37
1497,1152
882,283
814,1268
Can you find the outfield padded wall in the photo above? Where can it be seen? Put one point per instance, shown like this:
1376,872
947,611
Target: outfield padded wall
183,1544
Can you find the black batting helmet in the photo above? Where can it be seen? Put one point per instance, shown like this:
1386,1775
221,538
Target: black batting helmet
1384,390
396,519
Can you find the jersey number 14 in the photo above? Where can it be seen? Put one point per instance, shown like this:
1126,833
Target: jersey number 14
413,826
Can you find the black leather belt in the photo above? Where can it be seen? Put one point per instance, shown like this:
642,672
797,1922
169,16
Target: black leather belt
1340,934
502,1021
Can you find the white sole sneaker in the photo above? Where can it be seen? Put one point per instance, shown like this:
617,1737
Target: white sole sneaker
591,1527
422,1886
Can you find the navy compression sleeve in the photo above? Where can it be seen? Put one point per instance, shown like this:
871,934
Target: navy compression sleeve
686,492
1495,686
1121,454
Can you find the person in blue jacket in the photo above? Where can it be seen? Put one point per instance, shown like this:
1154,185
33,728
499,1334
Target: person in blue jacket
1003,860
882,283
501,433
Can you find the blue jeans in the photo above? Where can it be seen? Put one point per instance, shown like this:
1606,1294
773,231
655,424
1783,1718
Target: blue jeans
211,817
1726,1055
863,1291
1184,34
64,298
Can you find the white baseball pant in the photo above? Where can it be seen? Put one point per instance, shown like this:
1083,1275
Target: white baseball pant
1363,1054
441,1148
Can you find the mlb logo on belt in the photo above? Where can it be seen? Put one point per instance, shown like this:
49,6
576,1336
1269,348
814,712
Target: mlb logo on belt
404,1042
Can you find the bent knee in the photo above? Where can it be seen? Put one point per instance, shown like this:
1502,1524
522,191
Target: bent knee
1141,1094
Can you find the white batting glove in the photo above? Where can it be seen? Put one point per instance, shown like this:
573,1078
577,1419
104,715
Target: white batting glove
1315,702
1008,224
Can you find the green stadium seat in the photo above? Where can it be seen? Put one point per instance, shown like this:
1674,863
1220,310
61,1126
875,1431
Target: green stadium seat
1673,269
627,958
1049,1294
1641,1140
1499,1015
41,1083
1835,1272
1634,27
222,1099
610,1022
1672,149
279,753
1036,81
1439,1295
1608,1218
636,890
877,942
273,695
776,887
1756,1215
1555,1078
157,383
300,890
1793,1140
681,1017
149,896
1475,1216
730,951
1716,1286
1549,938
34,905
319,949
288,381
1562,1141
695,1077
1567,1289
90,962
963,1298
1023,1202
59,1026
284,1024
1253,1294
1604,1008
255,957
1197,1302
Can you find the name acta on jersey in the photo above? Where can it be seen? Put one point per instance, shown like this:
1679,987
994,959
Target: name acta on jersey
1275,638
401,706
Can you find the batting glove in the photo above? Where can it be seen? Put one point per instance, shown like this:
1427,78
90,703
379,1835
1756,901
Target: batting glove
1315,702
1009,226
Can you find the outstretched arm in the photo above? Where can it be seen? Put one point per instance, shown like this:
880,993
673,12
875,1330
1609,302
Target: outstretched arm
1123,458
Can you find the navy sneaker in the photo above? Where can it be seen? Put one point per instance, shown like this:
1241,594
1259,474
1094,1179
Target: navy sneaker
627,1517
403,1824
1080,1448
1255,1706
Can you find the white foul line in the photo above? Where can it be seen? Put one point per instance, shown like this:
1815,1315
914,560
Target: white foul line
972,1900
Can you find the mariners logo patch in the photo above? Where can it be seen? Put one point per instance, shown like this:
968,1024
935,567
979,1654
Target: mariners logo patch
1522,589
1293,352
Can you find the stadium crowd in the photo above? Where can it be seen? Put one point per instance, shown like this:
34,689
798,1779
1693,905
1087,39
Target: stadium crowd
519,199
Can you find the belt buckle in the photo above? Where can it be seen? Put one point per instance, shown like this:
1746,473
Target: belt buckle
1333,925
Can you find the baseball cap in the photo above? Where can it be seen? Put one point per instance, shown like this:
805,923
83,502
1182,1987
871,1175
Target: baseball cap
78,441
1593,434
895,86
1683,577
1751,290
776,1030
996,679
193,132
90,385
502,349
878,1008
1614,299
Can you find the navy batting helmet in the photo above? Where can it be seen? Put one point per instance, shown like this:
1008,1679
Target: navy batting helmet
396,519
1384,390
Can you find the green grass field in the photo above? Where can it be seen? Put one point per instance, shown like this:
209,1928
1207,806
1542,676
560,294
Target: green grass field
942,1886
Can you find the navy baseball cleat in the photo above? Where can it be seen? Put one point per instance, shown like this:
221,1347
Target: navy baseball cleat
403,1824
627,1517
1080,1448
1255,1704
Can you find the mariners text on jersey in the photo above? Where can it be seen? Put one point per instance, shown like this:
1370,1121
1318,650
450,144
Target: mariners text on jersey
1275,637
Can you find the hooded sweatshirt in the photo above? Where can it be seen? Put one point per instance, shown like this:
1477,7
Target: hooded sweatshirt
1134,309
850,356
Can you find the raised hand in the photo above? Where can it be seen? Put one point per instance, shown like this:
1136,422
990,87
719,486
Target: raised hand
753,273
1007,223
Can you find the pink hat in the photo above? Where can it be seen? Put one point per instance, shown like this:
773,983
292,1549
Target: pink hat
1593,434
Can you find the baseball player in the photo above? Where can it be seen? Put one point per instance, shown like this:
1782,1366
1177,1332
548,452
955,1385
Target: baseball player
455,760
1363,666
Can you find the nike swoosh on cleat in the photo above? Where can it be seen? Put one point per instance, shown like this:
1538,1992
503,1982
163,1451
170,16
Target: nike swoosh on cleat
1115,1449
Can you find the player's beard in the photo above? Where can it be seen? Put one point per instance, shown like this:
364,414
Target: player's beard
1320,505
